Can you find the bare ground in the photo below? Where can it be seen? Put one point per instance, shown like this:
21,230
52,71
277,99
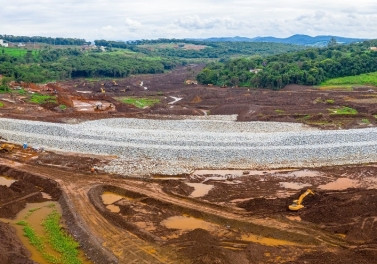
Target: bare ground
242,218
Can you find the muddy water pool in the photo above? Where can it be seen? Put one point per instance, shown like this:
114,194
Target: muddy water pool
340,184
186,223
34,214
6,181
200,189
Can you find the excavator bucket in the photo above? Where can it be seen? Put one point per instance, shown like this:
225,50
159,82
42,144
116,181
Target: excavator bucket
297,204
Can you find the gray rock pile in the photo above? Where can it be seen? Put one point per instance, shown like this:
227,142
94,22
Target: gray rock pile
145,146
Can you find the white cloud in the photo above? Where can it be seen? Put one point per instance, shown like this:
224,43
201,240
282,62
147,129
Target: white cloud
132,25
195,22
143,19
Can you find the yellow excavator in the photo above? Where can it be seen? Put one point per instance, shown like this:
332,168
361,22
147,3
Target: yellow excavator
6,147
297,204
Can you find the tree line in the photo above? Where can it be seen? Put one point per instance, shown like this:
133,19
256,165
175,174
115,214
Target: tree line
59,64
46,40
212,50
308,67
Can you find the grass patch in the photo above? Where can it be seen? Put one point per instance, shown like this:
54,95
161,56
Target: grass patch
62,107
65,247
22,91
60,240
365,121
330,101
344,110
38,98
279,111
1,104
37,242
305,117
362,79
139,102
17,52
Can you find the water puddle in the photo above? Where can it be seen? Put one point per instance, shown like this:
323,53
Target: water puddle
34,214
7,181
113,208
109,198
294,185
186,223
200,189
46,196
240,200
176,99
239,173
168,178
218,172
301,173
340,184
267,241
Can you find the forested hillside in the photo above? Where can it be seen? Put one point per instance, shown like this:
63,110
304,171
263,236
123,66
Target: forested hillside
191,49
308,67
58,64
119,59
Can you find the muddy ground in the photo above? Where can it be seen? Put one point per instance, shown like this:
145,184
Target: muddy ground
90,99
241,218
207,217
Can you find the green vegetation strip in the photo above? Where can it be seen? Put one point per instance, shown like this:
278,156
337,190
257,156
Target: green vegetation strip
344,110
362,79
42,99
17,52
56,238
139,102
1,104
60,240
37,242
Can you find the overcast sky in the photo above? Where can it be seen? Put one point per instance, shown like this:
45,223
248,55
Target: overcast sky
152,19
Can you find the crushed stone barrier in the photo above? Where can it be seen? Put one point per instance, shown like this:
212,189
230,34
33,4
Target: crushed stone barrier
171,147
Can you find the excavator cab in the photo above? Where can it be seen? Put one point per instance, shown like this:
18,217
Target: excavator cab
297,204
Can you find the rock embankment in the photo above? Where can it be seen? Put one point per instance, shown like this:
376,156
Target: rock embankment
145,147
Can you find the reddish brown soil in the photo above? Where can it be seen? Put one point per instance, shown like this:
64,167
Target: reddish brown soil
335,226
294,103
12,251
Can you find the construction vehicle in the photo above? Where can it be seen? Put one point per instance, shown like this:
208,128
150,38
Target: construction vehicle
297,204
6,147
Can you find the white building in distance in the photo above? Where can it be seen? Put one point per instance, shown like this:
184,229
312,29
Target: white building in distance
2,44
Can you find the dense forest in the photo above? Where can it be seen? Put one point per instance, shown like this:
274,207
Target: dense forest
120,59
267,65
58,64
208,49
308,67
46,40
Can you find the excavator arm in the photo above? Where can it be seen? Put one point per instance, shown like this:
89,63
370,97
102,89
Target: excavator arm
297,204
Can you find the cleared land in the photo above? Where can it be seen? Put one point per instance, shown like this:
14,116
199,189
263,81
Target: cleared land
131,192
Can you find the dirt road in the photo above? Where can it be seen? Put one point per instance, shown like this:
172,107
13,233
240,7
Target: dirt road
129,248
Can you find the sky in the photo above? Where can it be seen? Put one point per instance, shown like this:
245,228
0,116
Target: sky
153,19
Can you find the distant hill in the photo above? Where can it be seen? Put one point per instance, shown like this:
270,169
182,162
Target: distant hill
305,40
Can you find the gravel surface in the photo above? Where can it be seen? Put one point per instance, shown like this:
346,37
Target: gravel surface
171,147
